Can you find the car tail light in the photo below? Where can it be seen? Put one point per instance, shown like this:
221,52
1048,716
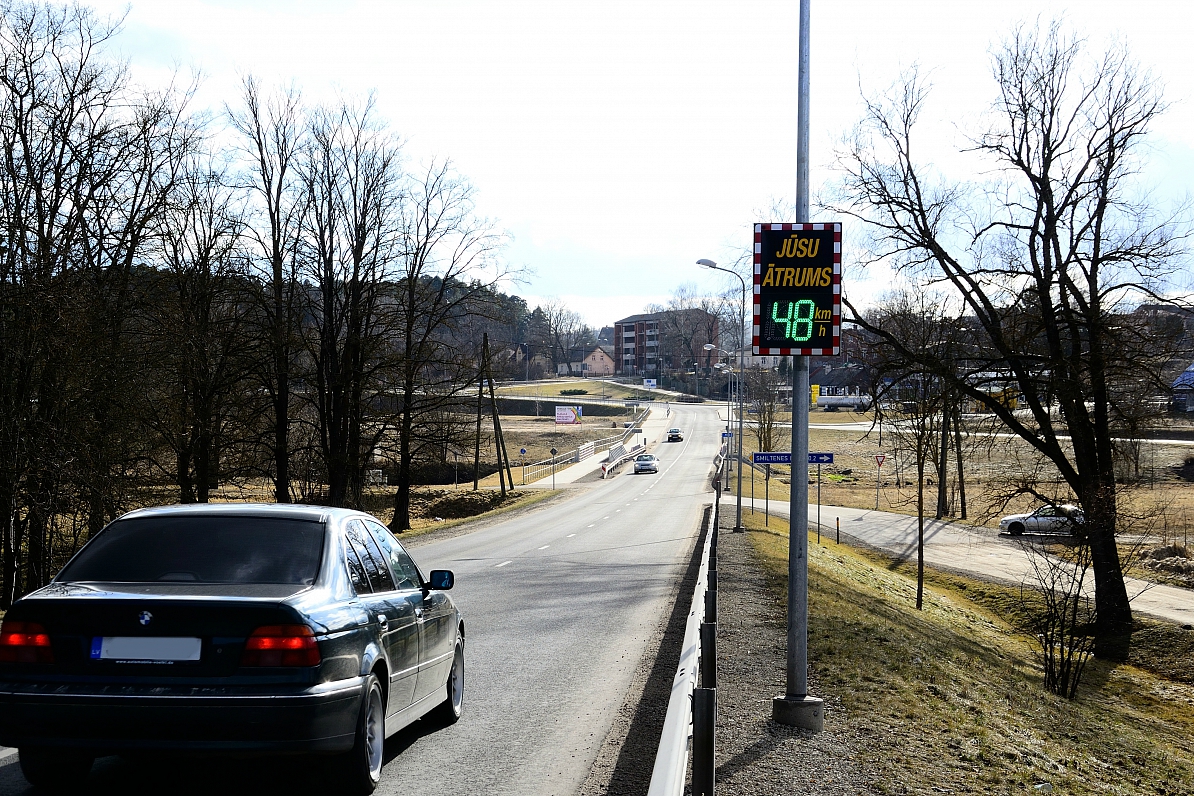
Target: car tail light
281,645
24,642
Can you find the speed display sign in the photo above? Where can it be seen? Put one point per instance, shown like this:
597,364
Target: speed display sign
797,289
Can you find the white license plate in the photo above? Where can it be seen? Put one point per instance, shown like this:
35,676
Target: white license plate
146,648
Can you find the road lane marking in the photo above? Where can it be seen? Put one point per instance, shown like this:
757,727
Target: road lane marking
606,517
569,536
504,563
544,547
590,526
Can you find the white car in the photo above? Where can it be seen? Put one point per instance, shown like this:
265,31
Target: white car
1066,518
646,463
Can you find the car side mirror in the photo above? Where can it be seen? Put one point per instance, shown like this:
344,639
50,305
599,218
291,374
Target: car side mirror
441,579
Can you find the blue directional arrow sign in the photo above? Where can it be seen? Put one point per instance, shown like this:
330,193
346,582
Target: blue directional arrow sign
772,457
820,458
727,434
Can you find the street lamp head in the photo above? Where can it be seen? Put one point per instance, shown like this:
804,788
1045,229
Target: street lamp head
707,263
708,346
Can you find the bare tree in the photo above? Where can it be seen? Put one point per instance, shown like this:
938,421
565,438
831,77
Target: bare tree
352,176
1063,616
88,165
1046,269
195,329
762,390
917,396
272,138
563,331
445,274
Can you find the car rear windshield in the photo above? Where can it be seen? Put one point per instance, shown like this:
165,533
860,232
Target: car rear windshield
201,550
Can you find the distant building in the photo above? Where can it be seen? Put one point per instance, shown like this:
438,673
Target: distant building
1183,390
597,361
656,343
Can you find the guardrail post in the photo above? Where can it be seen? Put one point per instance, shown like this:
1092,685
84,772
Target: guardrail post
709,654
704,708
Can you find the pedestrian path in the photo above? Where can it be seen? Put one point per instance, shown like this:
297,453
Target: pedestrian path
968,549
654,430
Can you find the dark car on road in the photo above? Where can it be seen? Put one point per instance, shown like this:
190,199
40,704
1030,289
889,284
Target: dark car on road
229,629
675,435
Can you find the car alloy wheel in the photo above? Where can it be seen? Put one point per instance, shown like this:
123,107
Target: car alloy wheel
1015,529
362,764
451,709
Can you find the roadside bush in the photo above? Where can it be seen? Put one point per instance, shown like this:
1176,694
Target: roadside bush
456,505
574,392
1063,618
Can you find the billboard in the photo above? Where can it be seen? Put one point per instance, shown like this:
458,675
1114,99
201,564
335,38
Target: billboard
568,415
797,289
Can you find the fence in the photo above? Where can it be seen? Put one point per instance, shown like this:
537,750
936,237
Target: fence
691,713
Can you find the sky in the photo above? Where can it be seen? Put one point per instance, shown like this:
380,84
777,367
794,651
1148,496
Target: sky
619,141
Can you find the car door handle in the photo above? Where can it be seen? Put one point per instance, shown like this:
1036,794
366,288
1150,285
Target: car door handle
418,613
383,621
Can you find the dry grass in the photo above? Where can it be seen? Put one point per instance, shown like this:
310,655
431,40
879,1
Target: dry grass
951,698
596,389
1160,504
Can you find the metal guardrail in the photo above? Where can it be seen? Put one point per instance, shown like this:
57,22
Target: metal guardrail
690,721
542,469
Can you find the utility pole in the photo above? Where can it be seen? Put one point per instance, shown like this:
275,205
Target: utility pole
796,707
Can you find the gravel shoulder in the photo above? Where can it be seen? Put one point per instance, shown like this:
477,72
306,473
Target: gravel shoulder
755,755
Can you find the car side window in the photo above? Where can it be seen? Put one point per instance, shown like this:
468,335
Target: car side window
1045,511
375,567
356,570
404,568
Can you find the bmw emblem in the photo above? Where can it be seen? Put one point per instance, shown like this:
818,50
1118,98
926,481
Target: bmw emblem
145,617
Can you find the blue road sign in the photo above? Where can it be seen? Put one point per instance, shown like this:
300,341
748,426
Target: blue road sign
523,451
727,434
784,457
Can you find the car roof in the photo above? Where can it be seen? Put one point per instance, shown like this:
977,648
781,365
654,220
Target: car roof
279,510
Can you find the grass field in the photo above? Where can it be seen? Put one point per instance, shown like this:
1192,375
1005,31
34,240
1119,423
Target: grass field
594,388
951,697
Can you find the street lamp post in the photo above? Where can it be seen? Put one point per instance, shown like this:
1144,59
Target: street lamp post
741,370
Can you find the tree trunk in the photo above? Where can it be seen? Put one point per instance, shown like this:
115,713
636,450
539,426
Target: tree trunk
958,460
1113,611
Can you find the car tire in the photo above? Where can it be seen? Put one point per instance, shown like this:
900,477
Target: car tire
360,767
452,708
54,770
1015,529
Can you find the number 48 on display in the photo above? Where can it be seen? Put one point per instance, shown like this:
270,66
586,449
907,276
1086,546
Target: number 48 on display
797,319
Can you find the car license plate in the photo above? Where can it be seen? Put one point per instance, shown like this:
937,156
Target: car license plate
145,648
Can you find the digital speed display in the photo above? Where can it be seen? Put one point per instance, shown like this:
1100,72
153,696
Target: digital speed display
797,286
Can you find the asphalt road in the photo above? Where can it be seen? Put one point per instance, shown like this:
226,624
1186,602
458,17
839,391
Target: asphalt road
560,604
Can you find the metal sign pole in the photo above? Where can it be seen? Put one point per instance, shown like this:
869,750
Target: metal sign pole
796,707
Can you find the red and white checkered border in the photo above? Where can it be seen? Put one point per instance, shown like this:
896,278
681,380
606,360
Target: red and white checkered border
837,291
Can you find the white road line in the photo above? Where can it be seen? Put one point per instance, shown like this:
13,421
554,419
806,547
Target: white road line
569,536
544,547
504,563
606,517
590,526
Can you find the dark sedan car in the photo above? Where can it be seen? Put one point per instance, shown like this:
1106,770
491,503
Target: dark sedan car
229,629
